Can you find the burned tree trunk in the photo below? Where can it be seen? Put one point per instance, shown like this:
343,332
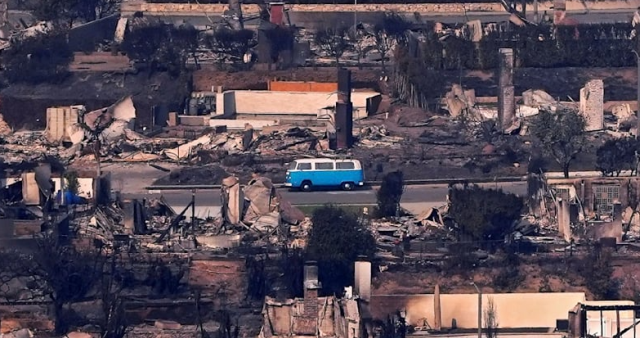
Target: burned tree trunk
408,92
235,13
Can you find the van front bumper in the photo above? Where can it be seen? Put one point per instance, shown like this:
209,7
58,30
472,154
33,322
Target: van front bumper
287,184
360,183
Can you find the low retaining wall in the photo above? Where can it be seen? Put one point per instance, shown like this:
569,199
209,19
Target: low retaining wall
153,8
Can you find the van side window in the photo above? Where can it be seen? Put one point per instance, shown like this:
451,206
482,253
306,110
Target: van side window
304,166
324,166
345,165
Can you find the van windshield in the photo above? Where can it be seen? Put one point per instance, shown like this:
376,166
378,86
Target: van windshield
292,165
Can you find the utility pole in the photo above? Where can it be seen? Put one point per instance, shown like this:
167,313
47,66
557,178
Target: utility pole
355,15
479,309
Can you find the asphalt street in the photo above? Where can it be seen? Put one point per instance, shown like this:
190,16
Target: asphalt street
423,194
312,20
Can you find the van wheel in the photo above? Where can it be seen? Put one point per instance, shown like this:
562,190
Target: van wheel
305,186
347,186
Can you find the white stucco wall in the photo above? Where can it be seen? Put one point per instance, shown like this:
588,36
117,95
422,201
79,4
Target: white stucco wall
609,320
514,310
85,188
284,103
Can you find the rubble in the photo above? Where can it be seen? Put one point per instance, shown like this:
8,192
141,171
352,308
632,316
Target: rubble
4,127
263,211
537,98
460,101
624,115
391,232
377,136
22,333
72,138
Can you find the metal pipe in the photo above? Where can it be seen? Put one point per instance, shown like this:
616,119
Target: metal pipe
355,16
193,207
479,309
617,323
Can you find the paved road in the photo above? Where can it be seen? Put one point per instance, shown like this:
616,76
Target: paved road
314,19
426,194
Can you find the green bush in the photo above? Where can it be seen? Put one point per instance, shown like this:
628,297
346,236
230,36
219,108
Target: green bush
602,45
483,214
335,241
38,59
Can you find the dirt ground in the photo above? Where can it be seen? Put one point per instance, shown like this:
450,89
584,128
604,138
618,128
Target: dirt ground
436,151
209,76
25,106
539,274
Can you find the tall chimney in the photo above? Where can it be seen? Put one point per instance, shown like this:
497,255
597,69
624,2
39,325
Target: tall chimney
311,287
344,111
506,94
362,279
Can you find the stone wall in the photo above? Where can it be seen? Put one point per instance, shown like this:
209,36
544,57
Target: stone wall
129,7
592,104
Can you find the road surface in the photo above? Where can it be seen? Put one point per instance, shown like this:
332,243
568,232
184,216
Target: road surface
414,197
311,20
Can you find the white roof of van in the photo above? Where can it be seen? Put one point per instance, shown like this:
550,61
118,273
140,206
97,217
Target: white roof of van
314,160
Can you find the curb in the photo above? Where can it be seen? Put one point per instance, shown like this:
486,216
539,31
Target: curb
432,181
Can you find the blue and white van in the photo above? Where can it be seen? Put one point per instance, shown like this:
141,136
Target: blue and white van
304,174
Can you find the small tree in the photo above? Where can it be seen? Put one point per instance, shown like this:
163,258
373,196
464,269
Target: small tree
71,178
491,319
257,285
396,26
161,47
384,42
561,135
61,273
616,155
165,278
357,38
143,43
394,327
390,194
38,59
292,267
336,240
187,40
333,42
114,280
597,272
280,39
483,214
68,12
509,277
231,45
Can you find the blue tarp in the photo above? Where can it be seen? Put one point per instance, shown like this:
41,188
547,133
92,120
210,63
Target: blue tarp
69,198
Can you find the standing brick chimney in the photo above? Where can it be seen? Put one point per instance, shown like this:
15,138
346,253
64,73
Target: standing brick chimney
311,287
